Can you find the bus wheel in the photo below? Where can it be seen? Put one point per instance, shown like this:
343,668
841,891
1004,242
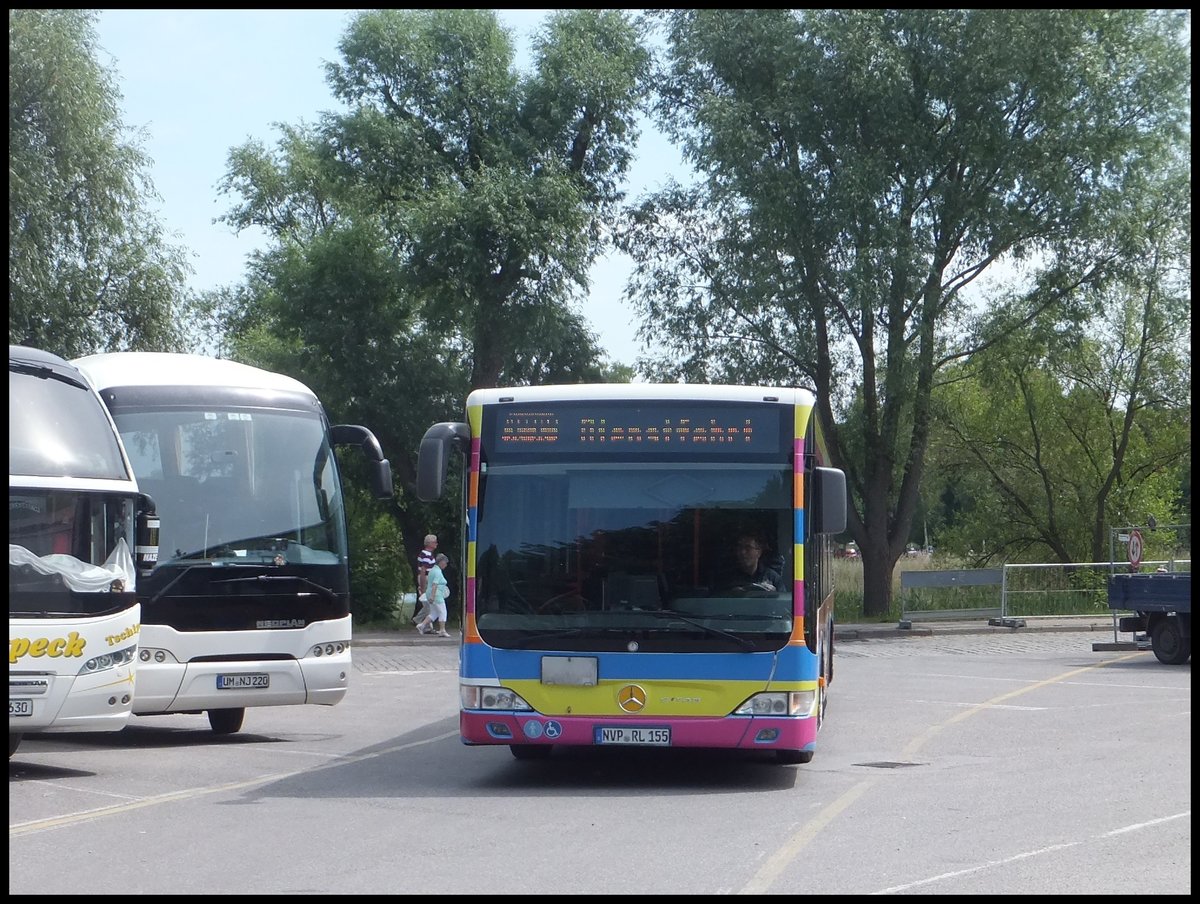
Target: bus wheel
793,757
226,721
14,741
530,751
1168,643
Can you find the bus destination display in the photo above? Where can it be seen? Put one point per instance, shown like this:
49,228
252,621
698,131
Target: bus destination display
599,428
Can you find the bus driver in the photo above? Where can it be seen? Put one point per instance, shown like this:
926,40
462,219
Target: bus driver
750,571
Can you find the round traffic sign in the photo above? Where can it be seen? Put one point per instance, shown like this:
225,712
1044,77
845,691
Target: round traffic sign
1135,548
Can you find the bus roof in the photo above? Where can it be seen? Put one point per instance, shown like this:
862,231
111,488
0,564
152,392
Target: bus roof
114,369
706,392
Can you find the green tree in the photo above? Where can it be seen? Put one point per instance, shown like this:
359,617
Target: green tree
379,572
860,171
436,236
1067,435
88,267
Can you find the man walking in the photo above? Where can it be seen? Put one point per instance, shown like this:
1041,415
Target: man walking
426,559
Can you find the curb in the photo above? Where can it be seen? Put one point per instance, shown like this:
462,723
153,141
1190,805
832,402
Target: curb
1029,624
403,639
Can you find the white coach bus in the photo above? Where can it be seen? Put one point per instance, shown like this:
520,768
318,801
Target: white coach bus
74,517
249,602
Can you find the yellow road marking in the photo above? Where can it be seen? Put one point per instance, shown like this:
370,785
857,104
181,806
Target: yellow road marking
762,880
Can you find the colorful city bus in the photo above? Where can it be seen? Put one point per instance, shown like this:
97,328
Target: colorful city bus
249,601
78,532
602,605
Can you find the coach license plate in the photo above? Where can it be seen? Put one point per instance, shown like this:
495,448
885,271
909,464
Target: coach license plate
637,737
241,682
20,707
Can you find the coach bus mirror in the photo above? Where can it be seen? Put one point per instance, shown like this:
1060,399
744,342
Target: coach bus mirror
380,475
433,459
830,500
379,470
355,435
146,551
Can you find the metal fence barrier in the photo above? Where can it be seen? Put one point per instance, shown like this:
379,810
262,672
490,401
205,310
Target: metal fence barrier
1026,590
920,607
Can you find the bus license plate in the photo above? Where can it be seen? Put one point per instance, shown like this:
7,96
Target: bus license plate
20,707
240,682
639,737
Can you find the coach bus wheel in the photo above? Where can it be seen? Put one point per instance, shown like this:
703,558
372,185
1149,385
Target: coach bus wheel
530,751
226,721
1169,644
14,741
792,757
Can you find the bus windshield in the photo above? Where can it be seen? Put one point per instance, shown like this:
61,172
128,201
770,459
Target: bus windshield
238,486
57,429
596,555
68,553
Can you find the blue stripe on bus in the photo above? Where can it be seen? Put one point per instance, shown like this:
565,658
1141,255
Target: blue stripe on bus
481,661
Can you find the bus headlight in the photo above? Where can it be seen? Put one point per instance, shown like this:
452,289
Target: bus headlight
779,703
476,697
108,661
335,648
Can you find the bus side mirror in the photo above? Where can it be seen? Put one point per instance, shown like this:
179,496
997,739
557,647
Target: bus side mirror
380,475
379,469
829,498
433,458
146,548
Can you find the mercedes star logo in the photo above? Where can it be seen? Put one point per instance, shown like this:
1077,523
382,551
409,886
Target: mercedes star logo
631,698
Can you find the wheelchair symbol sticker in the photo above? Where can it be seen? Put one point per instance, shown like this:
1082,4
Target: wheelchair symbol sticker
553,730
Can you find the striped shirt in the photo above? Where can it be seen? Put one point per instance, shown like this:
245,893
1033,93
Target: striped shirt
425,561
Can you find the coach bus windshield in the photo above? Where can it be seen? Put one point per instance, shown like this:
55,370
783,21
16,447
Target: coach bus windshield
69,552
238,486
602,556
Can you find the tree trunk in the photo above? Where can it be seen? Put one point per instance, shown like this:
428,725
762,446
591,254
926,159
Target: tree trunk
878,566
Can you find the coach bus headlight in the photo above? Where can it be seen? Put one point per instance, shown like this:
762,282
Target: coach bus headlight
476,697
779,703
330,649
108,661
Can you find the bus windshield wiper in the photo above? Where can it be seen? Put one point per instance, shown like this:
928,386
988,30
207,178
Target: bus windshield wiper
673,614
266,578
179,577
175,580
44,373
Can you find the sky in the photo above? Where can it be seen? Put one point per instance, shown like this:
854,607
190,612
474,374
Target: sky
200,82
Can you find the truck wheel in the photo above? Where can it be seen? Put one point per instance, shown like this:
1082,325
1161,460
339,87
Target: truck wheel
1168,643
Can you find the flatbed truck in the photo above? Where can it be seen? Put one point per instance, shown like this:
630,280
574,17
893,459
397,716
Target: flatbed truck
1162,607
